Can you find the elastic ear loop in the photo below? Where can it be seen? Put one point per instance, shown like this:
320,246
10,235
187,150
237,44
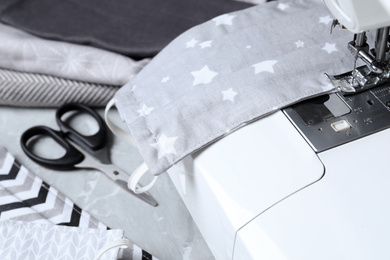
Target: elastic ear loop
124,243
135,177
113,127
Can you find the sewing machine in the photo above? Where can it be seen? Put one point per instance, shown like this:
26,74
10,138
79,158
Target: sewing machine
311,181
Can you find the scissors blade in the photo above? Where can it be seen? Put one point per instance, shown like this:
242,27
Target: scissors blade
101,155
113,172
146,197
121,177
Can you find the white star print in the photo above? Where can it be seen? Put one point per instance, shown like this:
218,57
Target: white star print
299,44
283,6
203,76
205,44
164,80
165,145
325,19
330,47
134,87
225,19
229,94
249,46
71,61
191,43
265,66
145,110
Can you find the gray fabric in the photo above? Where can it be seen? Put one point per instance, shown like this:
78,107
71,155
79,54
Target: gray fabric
138,29
37,90
24,52
229,71
29,240
3,154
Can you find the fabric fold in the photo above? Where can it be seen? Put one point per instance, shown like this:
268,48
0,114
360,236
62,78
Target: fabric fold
38,90
24,52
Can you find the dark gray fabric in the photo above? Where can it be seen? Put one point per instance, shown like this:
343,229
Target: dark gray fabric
135,28
6,3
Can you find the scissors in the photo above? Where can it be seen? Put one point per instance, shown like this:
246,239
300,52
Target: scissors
81,151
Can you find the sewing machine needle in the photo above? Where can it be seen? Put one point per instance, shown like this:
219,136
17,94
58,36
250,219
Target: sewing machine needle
354,70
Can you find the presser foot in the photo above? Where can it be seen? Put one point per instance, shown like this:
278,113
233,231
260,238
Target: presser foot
359,79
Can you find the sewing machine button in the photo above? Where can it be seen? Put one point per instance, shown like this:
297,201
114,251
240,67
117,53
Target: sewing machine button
341,125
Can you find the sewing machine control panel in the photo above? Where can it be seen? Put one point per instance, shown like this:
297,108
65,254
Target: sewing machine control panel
331,120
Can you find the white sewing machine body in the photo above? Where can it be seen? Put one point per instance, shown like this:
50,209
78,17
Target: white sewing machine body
264,193
309,182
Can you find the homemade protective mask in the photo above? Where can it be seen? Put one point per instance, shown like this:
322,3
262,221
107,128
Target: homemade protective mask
231,70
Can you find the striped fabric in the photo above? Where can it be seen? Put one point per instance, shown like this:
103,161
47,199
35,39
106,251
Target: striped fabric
37,90
26,197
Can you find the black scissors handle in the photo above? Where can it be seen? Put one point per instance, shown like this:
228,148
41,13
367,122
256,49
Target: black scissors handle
68,161
92,142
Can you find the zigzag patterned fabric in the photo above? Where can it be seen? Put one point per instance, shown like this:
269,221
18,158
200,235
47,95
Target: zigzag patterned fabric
26,197
37,90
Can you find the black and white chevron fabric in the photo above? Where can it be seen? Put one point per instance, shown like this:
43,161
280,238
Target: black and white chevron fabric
37,90
26,197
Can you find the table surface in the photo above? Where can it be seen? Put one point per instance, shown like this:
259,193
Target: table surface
167,231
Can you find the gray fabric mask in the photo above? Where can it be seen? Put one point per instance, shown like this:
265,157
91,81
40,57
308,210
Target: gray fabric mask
229,71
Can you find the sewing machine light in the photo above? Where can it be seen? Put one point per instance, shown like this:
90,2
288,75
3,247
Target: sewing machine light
360,15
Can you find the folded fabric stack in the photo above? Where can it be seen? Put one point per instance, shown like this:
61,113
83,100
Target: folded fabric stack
31,213
54,51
